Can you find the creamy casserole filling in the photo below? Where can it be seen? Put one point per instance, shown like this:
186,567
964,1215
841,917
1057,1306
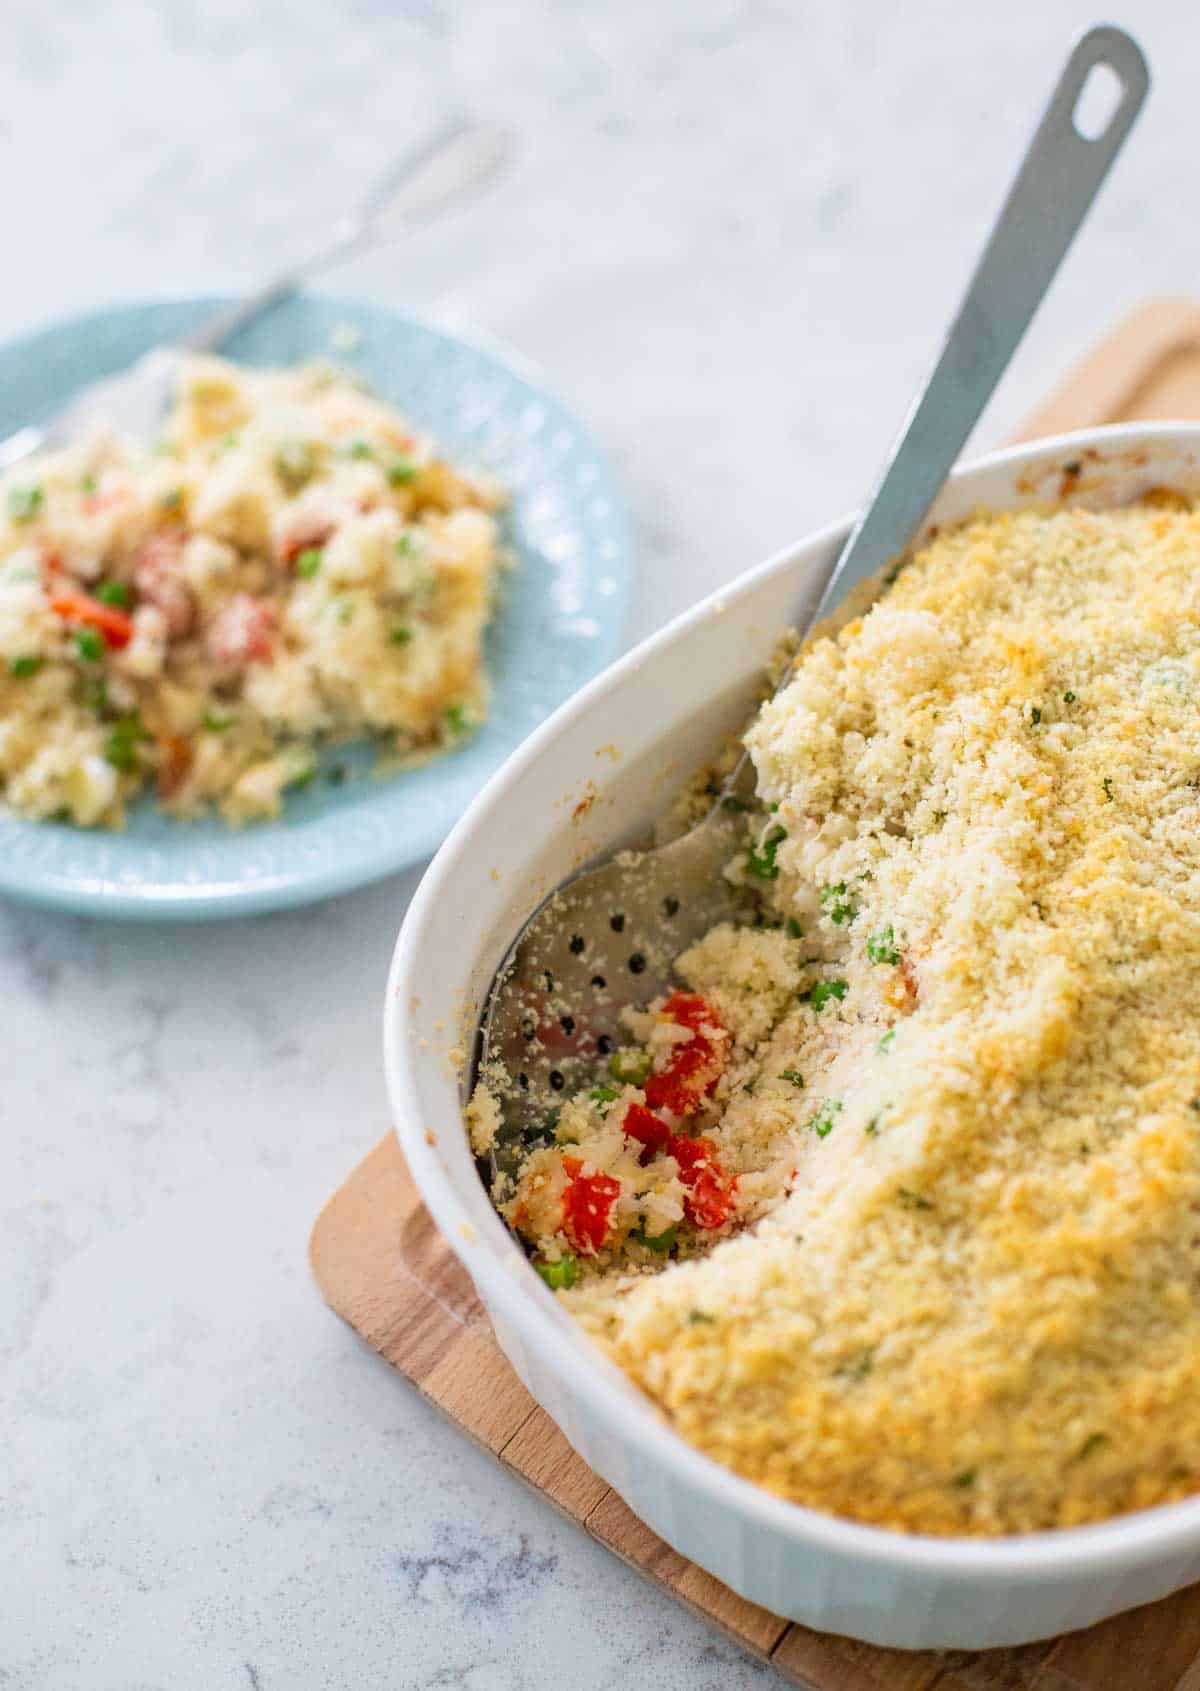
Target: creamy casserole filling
291,564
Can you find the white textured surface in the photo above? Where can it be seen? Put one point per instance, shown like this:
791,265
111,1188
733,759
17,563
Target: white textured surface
732,237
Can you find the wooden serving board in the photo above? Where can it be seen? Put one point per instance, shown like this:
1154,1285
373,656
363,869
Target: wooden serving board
383,1267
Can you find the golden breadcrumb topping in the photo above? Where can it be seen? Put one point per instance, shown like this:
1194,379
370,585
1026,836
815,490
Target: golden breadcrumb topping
970,1302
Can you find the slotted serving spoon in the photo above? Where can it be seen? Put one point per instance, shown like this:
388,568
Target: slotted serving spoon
606,937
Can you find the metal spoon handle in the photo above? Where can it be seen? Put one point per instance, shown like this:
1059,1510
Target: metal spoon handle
457,162
1046,204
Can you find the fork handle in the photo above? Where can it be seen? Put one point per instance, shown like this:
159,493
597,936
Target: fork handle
459,160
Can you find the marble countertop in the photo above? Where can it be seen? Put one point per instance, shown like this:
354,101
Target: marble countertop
732,236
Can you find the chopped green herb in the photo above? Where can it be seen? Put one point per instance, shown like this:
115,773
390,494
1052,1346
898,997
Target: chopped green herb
22,668
881,946
410,543
825,1120
88,484
794,1075
400,472
216,723
560,1276
965,1479
629,1065
872,1126
820,994
401,634
120,748
295,464
114,593
93,693
360,449
658,1242
914,1200
795,931
24,503
345,611
308,562
304,778
602,1094
89,643
886,1041
1107,785
698,1316
761,862
1035,715
172,499
837,904
1091,1444
459,718
749,1087
1068,698
225,444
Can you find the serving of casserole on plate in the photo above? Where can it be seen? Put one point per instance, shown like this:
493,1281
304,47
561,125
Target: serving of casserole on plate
288,564
946,1086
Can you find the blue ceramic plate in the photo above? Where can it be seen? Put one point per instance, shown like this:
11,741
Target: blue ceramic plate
559,620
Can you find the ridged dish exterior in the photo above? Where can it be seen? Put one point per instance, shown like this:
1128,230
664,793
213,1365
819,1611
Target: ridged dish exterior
563,796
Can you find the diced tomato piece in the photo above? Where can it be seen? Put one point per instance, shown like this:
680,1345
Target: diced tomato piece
72,605
93,503
691,1154
650,1131
693,1070
587,1206
308,531
709,1197
157,579
242,632
692,1011
710,1201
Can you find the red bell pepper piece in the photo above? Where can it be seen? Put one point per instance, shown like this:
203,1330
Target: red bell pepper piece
693,1070
587,1206
115,625
710,1190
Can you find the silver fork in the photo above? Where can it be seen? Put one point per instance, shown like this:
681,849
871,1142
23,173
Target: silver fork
606,937
461,159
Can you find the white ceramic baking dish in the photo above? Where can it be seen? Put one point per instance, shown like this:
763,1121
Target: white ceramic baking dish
595,773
